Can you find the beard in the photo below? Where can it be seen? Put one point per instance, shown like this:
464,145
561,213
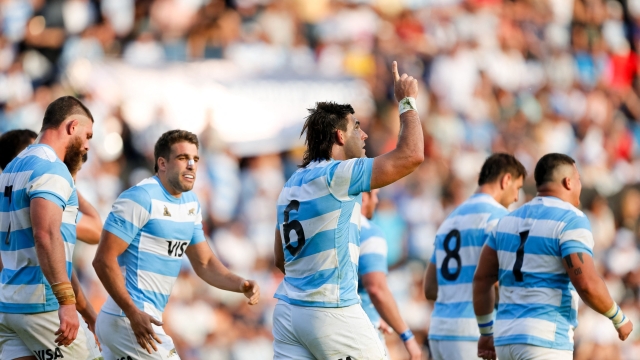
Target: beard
174,181
74,155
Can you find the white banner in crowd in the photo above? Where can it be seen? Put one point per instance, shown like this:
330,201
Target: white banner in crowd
251,114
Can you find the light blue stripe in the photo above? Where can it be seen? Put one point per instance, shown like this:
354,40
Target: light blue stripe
469,237
465,277
372,263
314,281
460,310
159,264
531,340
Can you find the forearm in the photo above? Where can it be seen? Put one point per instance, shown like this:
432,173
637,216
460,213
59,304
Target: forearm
83,306
596,296
52,258
109,273
386,306
217,275
89,227
410,138
87,209
484,297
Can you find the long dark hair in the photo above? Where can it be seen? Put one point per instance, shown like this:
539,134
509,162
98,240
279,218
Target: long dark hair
320,126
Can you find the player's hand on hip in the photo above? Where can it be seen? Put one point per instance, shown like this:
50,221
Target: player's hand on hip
385,328
625,330
414,349
251,290
142,329
403,86
486,350
69,324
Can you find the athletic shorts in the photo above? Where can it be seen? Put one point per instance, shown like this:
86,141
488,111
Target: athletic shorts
531,352
34,334
448,350
324,333
119,342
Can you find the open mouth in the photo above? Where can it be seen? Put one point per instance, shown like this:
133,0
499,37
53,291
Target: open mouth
189,177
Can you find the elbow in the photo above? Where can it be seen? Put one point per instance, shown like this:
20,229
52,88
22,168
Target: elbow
376,293
585,289
415,159
430,293
279,264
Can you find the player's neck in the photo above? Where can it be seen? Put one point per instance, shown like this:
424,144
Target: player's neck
492,190
337,153
553,191
51,139
170,189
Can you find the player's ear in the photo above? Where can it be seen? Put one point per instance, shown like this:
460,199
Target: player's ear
566,183
340,136
505,181
72,126
162,163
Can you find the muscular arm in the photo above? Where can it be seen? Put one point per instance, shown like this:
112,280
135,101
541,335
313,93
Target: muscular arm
585,278
106,265
89,227
405,158
46,220
278,252
376,285
484,295
431,282
211,270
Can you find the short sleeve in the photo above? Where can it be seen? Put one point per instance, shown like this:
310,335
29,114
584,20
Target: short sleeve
576,236
433,256
373,252
491,239
51,181
198,233
349,178
129,214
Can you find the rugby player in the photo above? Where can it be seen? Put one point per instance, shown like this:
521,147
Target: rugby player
542,256
318,314
88,224
453,333
39,208
376,298
150,227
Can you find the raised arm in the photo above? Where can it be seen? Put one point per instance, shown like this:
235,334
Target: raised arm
484,299
409,152
594,292
46,220
207,266
89,227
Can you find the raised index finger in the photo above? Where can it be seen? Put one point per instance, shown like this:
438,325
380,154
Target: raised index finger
394,70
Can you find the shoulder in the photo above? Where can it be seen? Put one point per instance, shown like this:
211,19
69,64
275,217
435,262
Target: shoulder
138,194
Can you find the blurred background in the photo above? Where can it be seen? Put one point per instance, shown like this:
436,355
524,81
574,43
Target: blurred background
522,76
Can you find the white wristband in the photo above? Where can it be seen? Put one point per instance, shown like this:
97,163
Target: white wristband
407,104
616,316
485,324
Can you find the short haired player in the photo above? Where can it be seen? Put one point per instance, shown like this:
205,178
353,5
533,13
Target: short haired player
541,254
376,298
150,228
459,240
318,315
40,207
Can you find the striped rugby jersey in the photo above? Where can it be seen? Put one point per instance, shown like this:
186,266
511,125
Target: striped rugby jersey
35,173
158,228
373,258
319,220
458,244
538,304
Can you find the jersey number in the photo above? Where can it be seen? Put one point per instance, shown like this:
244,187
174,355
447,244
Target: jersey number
294,225
8,191
451,254
517,267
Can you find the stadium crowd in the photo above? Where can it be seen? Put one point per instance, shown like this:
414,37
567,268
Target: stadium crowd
527,77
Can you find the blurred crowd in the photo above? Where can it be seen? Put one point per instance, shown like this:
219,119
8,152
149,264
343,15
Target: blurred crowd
522,76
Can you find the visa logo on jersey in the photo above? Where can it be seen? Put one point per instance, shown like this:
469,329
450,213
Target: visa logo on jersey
176,248
49,354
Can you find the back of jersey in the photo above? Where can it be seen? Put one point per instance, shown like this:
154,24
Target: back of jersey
35,173
458,244
538,304
319,222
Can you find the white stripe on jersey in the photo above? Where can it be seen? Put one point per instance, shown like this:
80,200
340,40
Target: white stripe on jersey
531,262
19,219
518,295
468,254
22,294
374,245
525,326
354,252
164,210
448,294
20,179
155,282
328,293
464,222
311,264
53,183
157,245
456,327
314,189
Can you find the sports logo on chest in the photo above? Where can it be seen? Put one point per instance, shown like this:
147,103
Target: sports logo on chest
176,248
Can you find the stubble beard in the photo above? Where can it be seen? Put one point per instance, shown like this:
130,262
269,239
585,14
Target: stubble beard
74,155
175,182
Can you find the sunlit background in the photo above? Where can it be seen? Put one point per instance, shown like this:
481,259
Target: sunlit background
525,76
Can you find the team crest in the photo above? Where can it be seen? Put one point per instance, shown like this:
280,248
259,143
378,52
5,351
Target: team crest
172,352
166,211
192,211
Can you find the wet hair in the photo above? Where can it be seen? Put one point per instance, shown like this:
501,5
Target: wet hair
62,108
498,165
320,126
162,148
548,164
12,143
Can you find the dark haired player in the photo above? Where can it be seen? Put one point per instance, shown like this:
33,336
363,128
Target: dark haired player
459,240
542,256
317,241
37,227
150,228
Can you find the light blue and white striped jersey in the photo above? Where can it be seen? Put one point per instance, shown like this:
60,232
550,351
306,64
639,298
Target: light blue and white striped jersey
158,228
319,221
538,304
458,244
35,173
373,258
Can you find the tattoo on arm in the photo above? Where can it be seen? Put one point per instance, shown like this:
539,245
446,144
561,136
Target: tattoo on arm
577,271
567,259
580,257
